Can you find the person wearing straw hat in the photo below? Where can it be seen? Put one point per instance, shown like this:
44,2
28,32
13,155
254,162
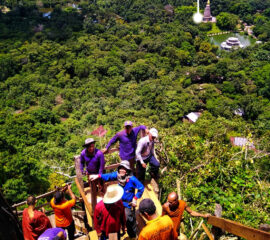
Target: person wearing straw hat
109,214
129,184
128,142
145,153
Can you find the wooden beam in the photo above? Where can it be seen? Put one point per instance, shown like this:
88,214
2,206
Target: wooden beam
238,229
112,166
207,232
38,197
86,203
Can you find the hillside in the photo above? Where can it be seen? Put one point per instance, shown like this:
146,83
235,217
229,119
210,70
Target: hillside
109,61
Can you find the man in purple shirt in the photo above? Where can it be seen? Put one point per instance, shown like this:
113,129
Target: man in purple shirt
92,157
128,142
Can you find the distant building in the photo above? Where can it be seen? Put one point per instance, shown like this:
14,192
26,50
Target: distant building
192,117
207,14
239,111
231,43
242,142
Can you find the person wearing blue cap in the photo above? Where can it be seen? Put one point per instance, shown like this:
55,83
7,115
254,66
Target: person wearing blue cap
128,142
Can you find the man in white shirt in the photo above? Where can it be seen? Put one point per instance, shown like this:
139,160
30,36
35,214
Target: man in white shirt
145,153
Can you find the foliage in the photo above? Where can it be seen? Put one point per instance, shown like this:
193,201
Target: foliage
112,61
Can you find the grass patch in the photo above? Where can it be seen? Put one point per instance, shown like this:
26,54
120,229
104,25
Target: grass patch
215,29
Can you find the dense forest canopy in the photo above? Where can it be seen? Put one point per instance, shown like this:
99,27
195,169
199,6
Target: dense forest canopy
108,61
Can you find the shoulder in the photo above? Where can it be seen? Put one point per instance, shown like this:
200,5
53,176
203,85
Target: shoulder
167,219
182,203
83,152
143,140
99,153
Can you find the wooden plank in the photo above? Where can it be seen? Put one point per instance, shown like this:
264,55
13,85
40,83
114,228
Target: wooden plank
112,166
38,197
86,203
207,232
238,229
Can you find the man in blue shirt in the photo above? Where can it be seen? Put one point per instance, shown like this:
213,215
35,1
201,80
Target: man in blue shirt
128,142
129,183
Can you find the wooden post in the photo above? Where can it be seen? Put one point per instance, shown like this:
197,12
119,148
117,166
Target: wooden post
207,232
86,203
78,170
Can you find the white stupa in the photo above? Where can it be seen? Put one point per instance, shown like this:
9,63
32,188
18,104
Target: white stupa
231,43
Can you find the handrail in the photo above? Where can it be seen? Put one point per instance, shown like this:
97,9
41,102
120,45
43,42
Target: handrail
86,203
238,229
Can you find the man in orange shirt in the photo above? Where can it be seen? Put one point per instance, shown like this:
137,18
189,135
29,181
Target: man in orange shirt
157,227
34,222
62,211
175,208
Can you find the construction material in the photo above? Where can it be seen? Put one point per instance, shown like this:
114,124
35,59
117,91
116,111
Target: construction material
207,232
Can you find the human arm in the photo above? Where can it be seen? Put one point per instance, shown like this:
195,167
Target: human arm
139,151
196,214
164,209
106,177
139,186
71,194
101,163
113,140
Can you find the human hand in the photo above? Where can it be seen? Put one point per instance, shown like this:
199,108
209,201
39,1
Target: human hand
207,215
134,202
143,165
93,177
104,150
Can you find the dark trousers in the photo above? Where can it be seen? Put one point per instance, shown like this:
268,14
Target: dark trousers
131,222
71,230
154,168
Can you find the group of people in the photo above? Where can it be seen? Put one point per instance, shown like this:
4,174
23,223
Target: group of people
92,159
36,225
116,212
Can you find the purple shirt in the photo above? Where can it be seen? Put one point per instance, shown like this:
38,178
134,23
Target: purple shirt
128,143
94,164
51,233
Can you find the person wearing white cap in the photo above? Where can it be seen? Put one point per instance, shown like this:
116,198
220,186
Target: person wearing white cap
109,214
145,153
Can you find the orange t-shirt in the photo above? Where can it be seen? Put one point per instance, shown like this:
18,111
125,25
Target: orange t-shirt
62,211
176,215
160,228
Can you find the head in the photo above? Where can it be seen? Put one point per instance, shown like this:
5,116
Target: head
153,134
58,197
128,126
31,201
147,208
124,168
173,200
89,144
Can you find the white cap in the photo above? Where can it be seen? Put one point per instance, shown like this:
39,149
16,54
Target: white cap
154,132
